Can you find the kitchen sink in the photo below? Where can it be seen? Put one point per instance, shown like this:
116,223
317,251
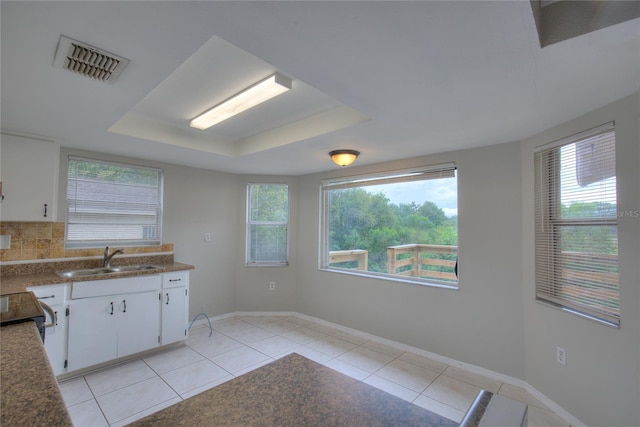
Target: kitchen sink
127,268
102,270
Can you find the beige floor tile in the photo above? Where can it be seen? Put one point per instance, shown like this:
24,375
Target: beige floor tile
119,376
391,388
250,335
281,326
215,345
173,359
128,401
87,413
407,375
304,335
481,381
452,392
537,417
347,369
519,393
366,359
350,337
239,359
126,421
424,362
192,376
275,346
439,408
383,348
334,347
75,391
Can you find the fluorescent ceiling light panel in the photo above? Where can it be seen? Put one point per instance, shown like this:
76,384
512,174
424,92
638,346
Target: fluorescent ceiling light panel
260,92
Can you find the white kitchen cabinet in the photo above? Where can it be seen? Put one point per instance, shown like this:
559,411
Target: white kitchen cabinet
55,337
105,326
29,175
93,332
175,306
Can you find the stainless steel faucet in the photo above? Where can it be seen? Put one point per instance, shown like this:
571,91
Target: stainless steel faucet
106,261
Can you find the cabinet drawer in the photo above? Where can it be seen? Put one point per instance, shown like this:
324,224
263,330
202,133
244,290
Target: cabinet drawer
124,285
175,279
52,295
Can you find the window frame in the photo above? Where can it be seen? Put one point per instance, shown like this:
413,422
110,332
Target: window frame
387,177
249,222
549,225
99,243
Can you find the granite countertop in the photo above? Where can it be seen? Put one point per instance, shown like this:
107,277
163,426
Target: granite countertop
295,391
20,282
30,394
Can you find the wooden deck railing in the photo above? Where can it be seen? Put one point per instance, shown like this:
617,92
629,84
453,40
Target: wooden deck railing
361,256
415,260
425,261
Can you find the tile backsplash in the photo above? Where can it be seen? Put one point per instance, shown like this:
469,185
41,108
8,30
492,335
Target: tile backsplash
45,240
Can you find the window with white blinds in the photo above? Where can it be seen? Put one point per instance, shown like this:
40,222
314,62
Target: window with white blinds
576,238
267,224
112,203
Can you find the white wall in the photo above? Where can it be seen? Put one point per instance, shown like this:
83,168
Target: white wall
601,382
482,322
195,201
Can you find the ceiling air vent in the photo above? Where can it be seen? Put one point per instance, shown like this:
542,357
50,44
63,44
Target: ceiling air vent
88,60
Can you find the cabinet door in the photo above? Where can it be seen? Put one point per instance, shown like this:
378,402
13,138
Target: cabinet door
55,340
29,178
174,315
93,332
139,322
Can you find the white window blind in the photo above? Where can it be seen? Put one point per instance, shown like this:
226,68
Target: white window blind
111,203
267,224
576,235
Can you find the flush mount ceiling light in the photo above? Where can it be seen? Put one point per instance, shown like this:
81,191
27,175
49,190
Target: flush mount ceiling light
344,157
256,94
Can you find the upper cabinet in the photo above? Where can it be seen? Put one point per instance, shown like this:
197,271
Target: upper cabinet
29,175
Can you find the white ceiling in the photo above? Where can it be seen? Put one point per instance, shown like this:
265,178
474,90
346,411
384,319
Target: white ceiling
391,79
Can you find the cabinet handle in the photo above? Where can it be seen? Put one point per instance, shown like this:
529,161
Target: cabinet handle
45,210
167,303
111,308
51,296
56,313
174,280
124,301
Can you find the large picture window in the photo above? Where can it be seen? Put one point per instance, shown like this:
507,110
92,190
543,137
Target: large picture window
112,204
400,225
576,225
267,224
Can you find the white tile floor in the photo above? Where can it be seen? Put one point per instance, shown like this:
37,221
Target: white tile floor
121,394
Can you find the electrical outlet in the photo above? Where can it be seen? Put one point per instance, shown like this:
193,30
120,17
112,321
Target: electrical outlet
561,356
272,286
207,237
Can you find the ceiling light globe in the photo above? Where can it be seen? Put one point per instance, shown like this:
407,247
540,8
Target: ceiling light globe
344,157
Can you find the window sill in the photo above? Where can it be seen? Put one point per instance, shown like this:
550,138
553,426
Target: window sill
398,279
